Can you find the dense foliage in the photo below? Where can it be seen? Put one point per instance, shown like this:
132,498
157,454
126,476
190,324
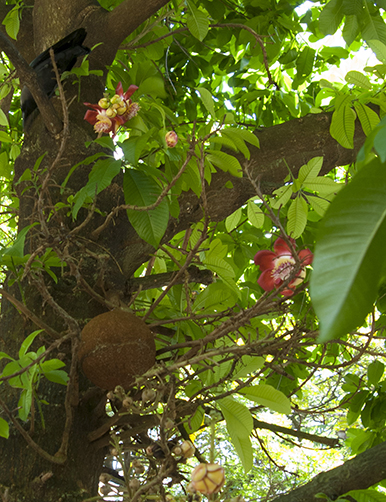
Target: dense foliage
247,163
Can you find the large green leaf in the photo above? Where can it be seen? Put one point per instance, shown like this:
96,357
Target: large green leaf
239,424
368,117
267,395
197,21
142,190
357,78
343,122
225,162
349,253
207,100
374,27
255,214
297,217
331,17
237,416
310,170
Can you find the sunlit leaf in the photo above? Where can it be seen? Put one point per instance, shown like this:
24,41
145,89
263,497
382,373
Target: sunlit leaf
349,254
268,396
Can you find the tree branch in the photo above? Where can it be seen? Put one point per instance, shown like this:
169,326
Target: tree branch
331,442
28,76
159,280
127,16
359,473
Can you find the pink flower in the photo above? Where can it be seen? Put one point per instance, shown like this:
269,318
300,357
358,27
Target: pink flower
278,265
171,139
109,114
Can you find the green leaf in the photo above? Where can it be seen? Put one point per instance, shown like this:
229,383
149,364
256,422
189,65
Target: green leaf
4,428
154,86
233,220
25,403
375,371
379,49
248,365
310,170
368,117
240,135
194,422
266,395
197,22
297,217
350,30
318,204
379,140
244,450
237,416
17,248
343,122
357,78
214,295
368,495
5,137
353,7
51,364
27,342
12,22
255,214
100,177
323,185
207,99
374,28
3,119
349,253
226,162
57,376
219,265
141,190
284,193
331,17
5,167
305,63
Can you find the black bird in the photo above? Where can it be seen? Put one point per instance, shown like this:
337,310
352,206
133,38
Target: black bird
66,53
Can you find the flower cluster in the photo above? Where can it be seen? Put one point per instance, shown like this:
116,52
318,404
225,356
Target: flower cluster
110,113
278,265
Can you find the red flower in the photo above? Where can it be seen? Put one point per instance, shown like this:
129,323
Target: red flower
278,265
100,120
109,114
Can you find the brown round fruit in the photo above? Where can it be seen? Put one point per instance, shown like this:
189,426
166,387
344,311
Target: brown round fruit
115,347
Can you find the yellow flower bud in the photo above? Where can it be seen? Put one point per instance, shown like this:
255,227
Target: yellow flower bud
110,112
208,478
115,99
103,103
121,110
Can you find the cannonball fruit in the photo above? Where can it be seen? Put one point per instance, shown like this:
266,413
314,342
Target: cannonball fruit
115,347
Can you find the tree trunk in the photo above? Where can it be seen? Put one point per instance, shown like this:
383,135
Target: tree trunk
96,267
